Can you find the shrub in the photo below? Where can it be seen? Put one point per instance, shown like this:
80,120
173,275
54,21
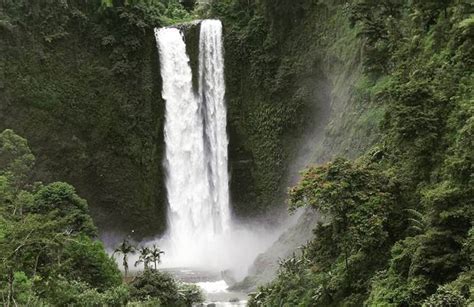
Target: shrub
155,285
86,260
445,296
62,292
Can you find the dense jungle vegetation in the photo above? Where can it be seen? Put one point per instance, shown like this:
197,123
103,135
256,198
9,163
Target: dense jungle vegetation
393,174
49,252
397,221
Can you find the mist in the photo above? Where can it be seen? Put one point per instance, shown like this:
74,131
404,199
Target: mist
230,253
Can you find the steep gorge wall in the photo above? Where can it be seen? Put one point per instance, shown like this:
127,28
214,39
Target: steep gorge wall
82,84
294,89
417,81
306,83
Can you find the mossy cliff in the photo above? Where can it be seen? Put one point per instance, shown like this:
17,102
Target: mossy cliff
396,225
81,82
297,95
293,77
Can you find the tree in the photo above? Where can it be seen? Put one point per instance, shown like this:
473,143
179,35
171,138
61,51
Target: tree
60,201
16,159
145,256
23,243
125,248
355,198
156,285
45,236
445,296
359,222
87,260
155,255
427,11
377,24
416,220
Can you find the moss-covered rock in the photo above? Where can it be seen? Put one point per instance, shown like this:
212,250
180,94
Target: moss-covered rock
82,83
293,73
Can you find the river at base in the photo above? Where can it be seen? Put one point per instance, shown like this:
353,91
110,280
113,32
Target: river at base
214,287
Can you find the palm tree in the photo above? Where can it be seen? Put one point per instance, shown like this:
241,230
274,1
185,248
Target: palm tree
155,255
417,221
125,248
145,256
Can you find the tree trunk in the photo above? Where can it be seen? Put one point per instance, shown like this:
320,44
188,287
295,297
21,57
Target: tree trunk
125,265
10,289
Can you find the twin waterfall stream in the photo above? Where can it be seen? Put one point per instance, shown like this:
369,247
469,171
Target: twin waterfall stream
197,179
196,139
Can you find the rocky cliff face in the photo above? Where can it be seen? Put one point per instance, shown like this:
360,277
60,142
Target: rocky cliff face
82,84
293,88
298,102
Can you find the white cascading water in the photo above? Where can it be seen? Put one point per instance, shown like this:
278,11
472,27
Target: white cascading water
196,147
212,92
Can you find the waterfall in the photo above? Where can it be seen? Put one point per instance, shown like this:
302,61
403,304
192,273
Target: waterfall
196,144
211,92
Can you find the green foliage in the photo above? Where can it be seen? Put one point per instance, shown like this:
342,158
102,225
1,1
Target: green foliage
358,203
427,12
155,285
397,225
16,159
24,294
60,201
46,236
378,26
445,297
149,255
190,294
125,248
87,261
62,292
48,254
